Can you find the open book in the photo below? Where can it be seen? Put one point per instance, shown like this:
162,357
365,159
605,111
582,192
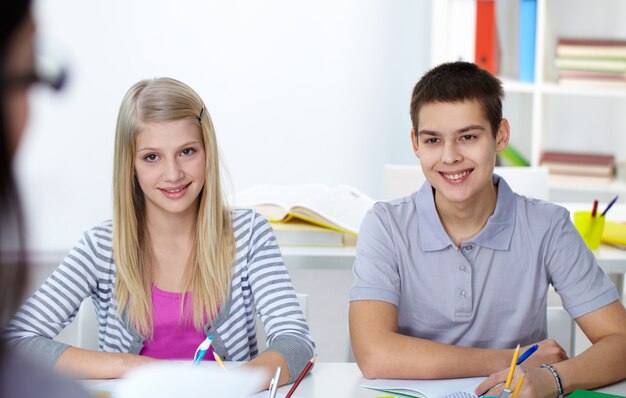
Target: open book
445,388
340,208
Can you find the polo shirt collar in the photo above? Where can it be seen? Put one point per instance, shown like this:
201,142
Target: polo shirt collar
496,234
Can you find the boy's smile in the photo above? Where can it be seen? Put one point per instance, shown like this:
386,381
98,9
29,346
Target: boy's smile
457,152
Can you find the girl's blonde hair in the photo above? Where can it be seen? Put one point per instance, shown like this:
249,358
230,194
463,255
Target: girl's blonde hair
208,276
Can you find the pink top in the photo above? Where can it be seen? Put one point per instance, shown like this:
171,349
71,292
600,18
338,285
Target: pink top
172,338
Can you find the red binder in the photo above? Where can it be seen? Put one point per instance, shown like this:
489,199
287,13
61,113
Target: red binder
486,55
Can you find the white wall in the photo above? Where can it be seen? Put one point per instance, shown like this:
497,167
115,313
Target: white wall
312,91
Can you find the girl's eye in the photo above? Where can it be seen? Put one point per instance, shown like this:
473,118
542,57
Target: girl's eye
151,158
187,151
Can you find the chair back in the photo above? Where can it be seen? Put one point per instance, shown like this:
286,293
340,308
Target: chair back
562,328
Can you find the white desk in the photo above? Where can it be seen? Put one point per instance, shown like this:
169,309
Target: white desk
342,380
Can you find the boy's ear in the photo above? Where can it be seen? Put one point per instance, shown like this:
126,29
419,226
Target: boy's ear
414,142
503,135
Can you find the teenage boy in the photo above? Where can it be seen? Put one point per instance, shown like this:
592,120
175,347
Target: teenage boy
448,280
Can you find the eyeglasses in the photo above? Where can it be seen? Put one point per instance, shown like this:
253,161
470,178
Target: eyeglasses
47,72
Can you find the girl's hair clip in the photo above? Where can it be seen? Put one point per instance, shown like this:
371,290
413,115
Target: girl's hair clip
201,113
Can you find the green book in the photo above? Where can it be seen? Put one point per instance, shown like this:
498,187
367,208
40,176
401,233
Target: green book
513,157
592,394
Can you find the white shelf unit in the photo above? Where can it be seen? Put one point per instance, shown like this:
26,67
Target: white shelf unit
545,115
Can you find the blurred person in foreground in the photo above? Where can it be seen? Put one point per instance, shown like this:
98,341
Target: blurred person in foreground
19,376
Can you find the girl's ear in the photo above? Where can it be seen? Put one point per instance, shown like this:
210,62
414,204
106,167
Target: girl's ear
503,135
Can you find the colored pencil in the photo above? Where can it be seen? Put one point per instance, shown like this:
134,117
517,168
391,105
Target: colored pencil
219,361
594,210
301,376
611,203
518,386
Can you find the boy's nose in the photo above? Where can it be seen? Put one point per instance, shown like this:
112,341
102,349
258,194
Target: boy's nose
450,154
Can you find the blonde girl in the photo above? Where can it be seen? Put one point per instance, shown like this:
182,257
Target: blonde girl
175,264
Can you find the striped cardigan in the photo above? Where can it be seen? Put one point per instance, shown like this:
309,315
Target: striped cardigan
260,286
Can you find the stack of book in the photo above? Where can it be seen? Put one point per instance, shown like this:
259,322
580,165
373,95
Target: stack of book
295,232
591,62
579,167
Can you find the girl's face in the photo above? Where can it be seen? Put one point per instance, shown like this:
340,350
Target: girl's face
170,165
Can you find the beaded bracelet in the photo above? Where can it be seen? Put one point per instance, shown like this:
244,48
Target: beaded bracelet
559,384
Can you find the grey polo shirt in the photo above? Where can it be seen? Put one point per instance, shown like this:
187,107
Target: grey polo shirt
491,291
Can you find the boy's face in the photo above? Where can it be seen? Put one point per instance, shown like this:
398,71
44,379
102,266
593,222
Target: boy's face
457,149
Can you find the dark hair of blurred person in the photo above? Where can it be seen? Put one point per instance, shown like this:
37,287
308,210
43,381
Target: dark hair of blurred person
19,377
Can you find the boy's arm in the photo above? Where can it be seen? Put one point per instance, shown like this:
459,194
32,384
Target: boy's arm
381,352
602,364
605,361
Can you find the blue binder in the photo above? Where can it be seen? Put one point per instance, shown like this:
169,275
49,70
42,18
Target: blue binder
527,34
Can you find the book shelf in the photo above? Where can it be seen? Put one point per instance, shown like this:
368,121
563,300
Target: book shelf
545,115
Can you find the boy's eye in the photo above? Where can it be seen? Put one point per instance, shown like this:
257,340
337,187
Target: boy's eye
187,151
468,137
431,140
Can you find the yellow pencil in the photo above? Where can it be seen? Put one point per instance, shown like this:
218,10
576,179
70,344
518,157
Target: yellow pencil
219,361
513,362
518,386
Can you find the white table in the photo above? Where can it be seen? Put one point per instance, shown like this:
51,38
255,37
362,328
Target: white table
343,379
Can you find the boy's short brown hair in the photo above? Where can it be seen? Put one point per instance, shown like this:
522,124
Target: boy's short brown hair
459,82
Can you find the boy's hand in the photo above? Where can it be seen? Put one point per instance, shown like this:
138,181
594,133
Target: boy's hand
549,351
538,383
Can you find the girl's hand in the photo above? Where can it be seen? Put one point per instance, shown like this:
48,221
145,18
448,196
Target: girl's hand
132,361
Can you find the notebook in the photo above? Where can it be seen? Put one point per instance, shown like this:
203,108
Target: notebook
175,379
446,388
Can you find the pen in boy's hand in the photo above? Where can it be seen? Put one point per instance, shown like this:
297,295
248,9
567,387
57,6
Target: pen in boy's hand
509,378
527,353
518,386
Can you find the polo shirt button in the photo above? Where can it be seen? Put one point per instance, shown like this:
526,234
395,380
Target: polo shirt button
468,248
463,293
462,268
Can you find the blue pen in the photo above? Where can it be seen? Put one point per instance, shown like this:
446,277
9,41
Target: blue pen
611,203
202,349
526,354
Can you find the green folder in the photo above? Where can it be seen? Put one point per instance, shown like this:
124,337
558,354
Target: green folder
513,157
592,394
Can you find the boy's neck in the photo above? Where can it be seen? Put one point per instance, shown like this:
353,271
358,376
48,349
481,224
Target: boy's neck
463,220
